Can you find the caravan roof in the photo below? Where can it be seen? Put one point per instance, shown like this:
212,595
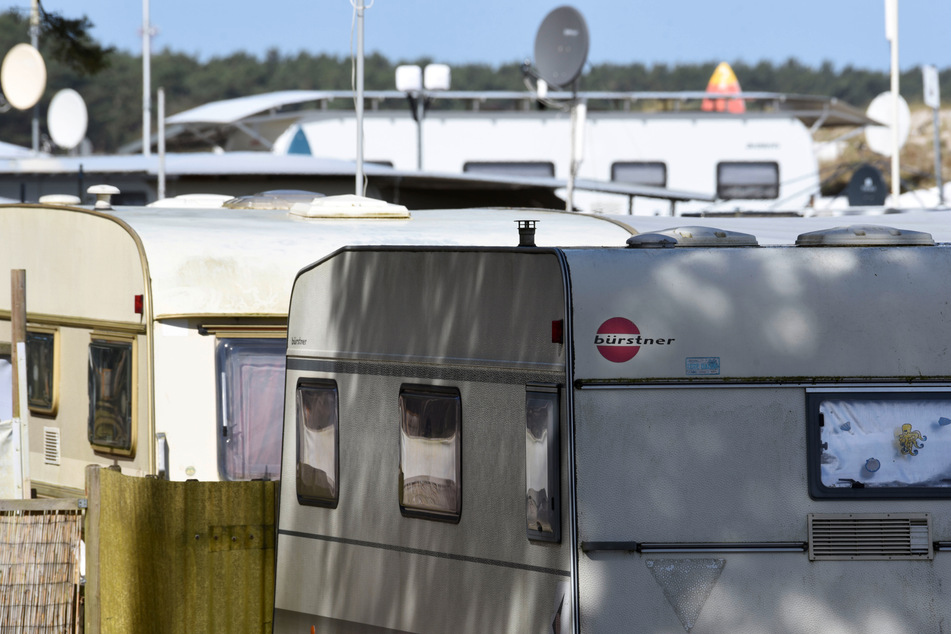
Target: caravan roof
230,262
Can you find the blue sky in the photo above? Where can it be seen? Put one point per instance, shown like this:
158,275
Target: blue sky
845,32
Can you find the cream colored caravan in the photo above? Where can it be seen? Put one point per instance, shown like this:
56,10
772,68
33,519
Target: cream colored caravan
688,432
156,335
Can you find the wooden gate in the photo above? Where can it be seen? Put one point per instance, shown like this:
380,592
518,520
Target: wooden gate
178,556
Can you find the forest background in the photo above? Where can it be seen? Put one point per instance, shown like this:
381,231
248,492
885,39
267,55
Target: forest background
110,82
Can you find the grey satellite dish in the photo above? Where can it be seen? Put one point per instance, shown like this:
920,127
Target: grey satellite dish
67,119
23,76
561,46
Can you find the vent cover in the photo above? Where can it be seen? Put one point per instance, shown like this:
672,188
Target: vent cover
51,445
855,536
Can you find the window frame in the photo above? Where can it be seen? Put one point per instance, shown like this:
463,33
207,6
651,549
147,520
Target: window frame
721,165
115,340
304,498
432,391
43,407
551,393
622,164
814,440
222,339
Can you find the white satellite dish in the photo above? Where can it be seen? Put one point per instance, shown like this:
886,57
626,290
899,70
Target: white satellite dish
67,119
23,76
879,138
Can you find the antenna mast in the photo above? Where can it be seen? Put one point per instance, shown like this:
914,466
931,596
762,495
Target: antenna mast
35,42
359,7
146,81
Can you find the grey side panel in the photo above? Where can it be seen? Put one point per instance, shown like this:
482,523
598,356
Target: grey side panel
460,307
762,314
727,465
475,321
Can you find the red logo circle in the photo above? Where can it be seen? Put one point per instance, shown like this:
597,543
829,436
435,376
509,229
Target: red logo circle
616,340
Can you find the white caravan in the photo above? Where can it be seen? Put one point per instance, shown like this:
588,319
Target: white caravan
689,433
155,335
763,158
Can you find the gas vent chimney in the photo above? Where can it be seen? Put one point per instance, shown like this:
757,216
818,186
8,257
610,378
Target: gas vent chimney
526,232
103,194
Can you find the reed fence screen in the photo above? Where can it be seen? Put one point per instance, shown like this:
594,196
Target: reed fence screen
39,566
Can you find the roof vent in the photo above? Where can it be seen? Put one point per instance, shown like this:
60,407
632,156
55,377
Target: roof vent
103,194
691,237
864,236
273,199
349,206
60,199
192,201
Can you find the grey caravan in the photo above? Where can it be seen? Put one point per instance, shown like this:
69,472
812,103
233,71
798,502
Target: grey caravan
687,433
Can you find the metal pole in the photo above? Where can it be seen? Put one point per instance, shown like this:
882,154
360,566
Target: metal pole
420,113
579,113
18,330
359,100
146,81
35,42
20,407
161,143
937,156
891,7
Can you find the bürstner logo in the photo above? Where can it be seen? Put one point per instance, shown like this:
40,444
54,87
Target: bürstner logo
618,340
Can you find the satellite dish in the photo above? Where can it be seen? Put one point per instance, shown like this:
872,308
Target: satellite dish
23,76
67,119
879,138
561,46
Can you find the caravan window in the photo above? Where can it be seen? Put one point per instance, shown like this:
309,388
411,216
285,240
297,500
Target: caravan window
250,377
749,180
42,375
529,169
111,387
651,173
542,481
317,443
430,452
879,444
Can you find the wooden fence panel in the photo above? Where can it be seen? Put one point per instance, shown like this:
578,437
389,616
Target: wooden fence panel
178,556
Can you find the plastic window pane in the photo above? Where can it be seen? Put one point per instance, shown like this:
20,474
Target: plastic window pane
110,387
650,173
748,180
430,483
250,407
317,422
542,481
895,443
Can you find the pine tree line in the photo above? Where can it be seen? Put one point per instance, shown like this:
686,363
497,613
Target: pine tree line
113,90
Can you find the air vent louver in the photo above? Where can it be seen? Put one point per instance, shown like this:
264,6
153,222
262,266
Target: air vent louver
854,536
51,445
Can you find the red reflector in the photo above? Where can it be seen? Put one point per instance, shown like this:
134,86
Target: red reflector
138,304
558,331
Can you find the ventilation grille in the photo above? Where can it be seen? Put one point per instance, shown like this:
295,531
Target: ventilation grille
870,536
51,445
